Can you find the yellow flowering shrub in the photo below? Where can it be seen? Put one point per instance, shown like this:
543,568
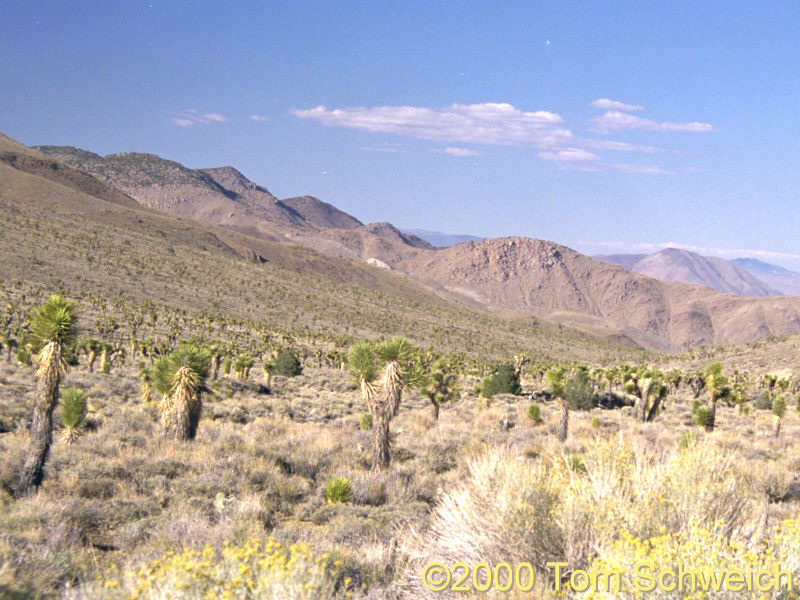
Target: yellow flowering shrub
249,571
699,563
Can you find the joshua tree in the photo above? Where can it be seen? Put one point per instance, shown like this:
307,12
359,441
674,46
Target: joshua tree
90,347
778,411
73,413
715,384
363,365
146,379
438,385
180,378
396,353
556,380
52,331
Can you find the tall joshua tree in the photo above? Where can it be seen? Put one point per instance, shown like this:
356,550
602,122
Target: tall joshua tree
53,328
363,365
396,354
180,379
556,384
715,384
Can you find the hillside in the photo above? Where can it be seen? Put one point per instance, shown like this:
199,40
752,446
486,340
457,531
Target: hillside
59,237
321,214
784,280
674,264
527,276
442,240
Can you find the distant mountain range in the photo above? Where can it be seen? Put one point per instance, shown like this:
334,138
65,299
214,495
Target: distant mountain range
514,276
442,240
744,276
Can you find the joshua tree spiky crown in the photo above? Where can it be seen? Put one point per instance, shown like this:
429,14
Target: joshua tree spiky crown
396,353
180,378
363,366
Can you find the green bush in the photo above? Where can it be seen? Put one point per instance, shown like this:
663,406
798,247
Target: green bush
575,464
287,364
504,380
764,401
24,357
226,366
338,490
703,417
695,405
580,392
595,422
534,413
365,423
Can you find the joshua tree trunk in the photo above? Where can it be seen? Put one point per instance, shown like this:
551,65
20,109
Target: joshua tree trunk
776,426
180,411
651,414
214,367
393,386
713,413
380,444
90,358
50,370
103,360
642,412
435,410
563,422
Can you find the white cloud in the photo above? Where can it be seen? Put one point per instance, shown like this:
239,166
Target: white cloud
189,117
568,154
501,124
607,104
614,121
259,118
460,151
488,123
645,169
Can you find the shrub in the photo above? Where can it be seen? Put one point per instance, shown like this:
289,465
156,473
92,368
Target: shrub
688,440
695,405
595,423
338,490
702,417
226,366
764,401
246,571
287,364
505,380
798,403
575,464
365,423
534,413
579,391
24,357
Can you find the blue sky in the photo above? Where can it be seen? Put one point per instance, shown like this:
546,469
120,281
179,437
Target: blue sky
607,126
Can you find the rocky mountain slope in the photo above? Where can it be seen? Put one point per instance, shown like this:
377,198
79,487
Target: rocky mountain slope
442,240
516,276
674,264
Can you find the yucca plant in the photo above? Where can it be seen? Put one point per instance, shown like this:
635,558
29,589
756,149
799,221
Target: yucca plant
338,490
778,412
715,384
556,384
396,354
534,413
437,384
52,329
73,414
365,422
363,365
180,379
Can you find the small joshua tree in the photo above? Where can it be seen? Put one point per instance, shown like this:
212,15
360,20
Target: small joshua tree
338,490
73,414
715,384
556,380
180,378
53,329
778,412
438,385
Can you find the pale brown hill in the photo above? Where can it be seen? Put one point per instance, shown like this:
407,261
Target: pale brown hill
675,264
123,258
536,277
200,194
321,214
